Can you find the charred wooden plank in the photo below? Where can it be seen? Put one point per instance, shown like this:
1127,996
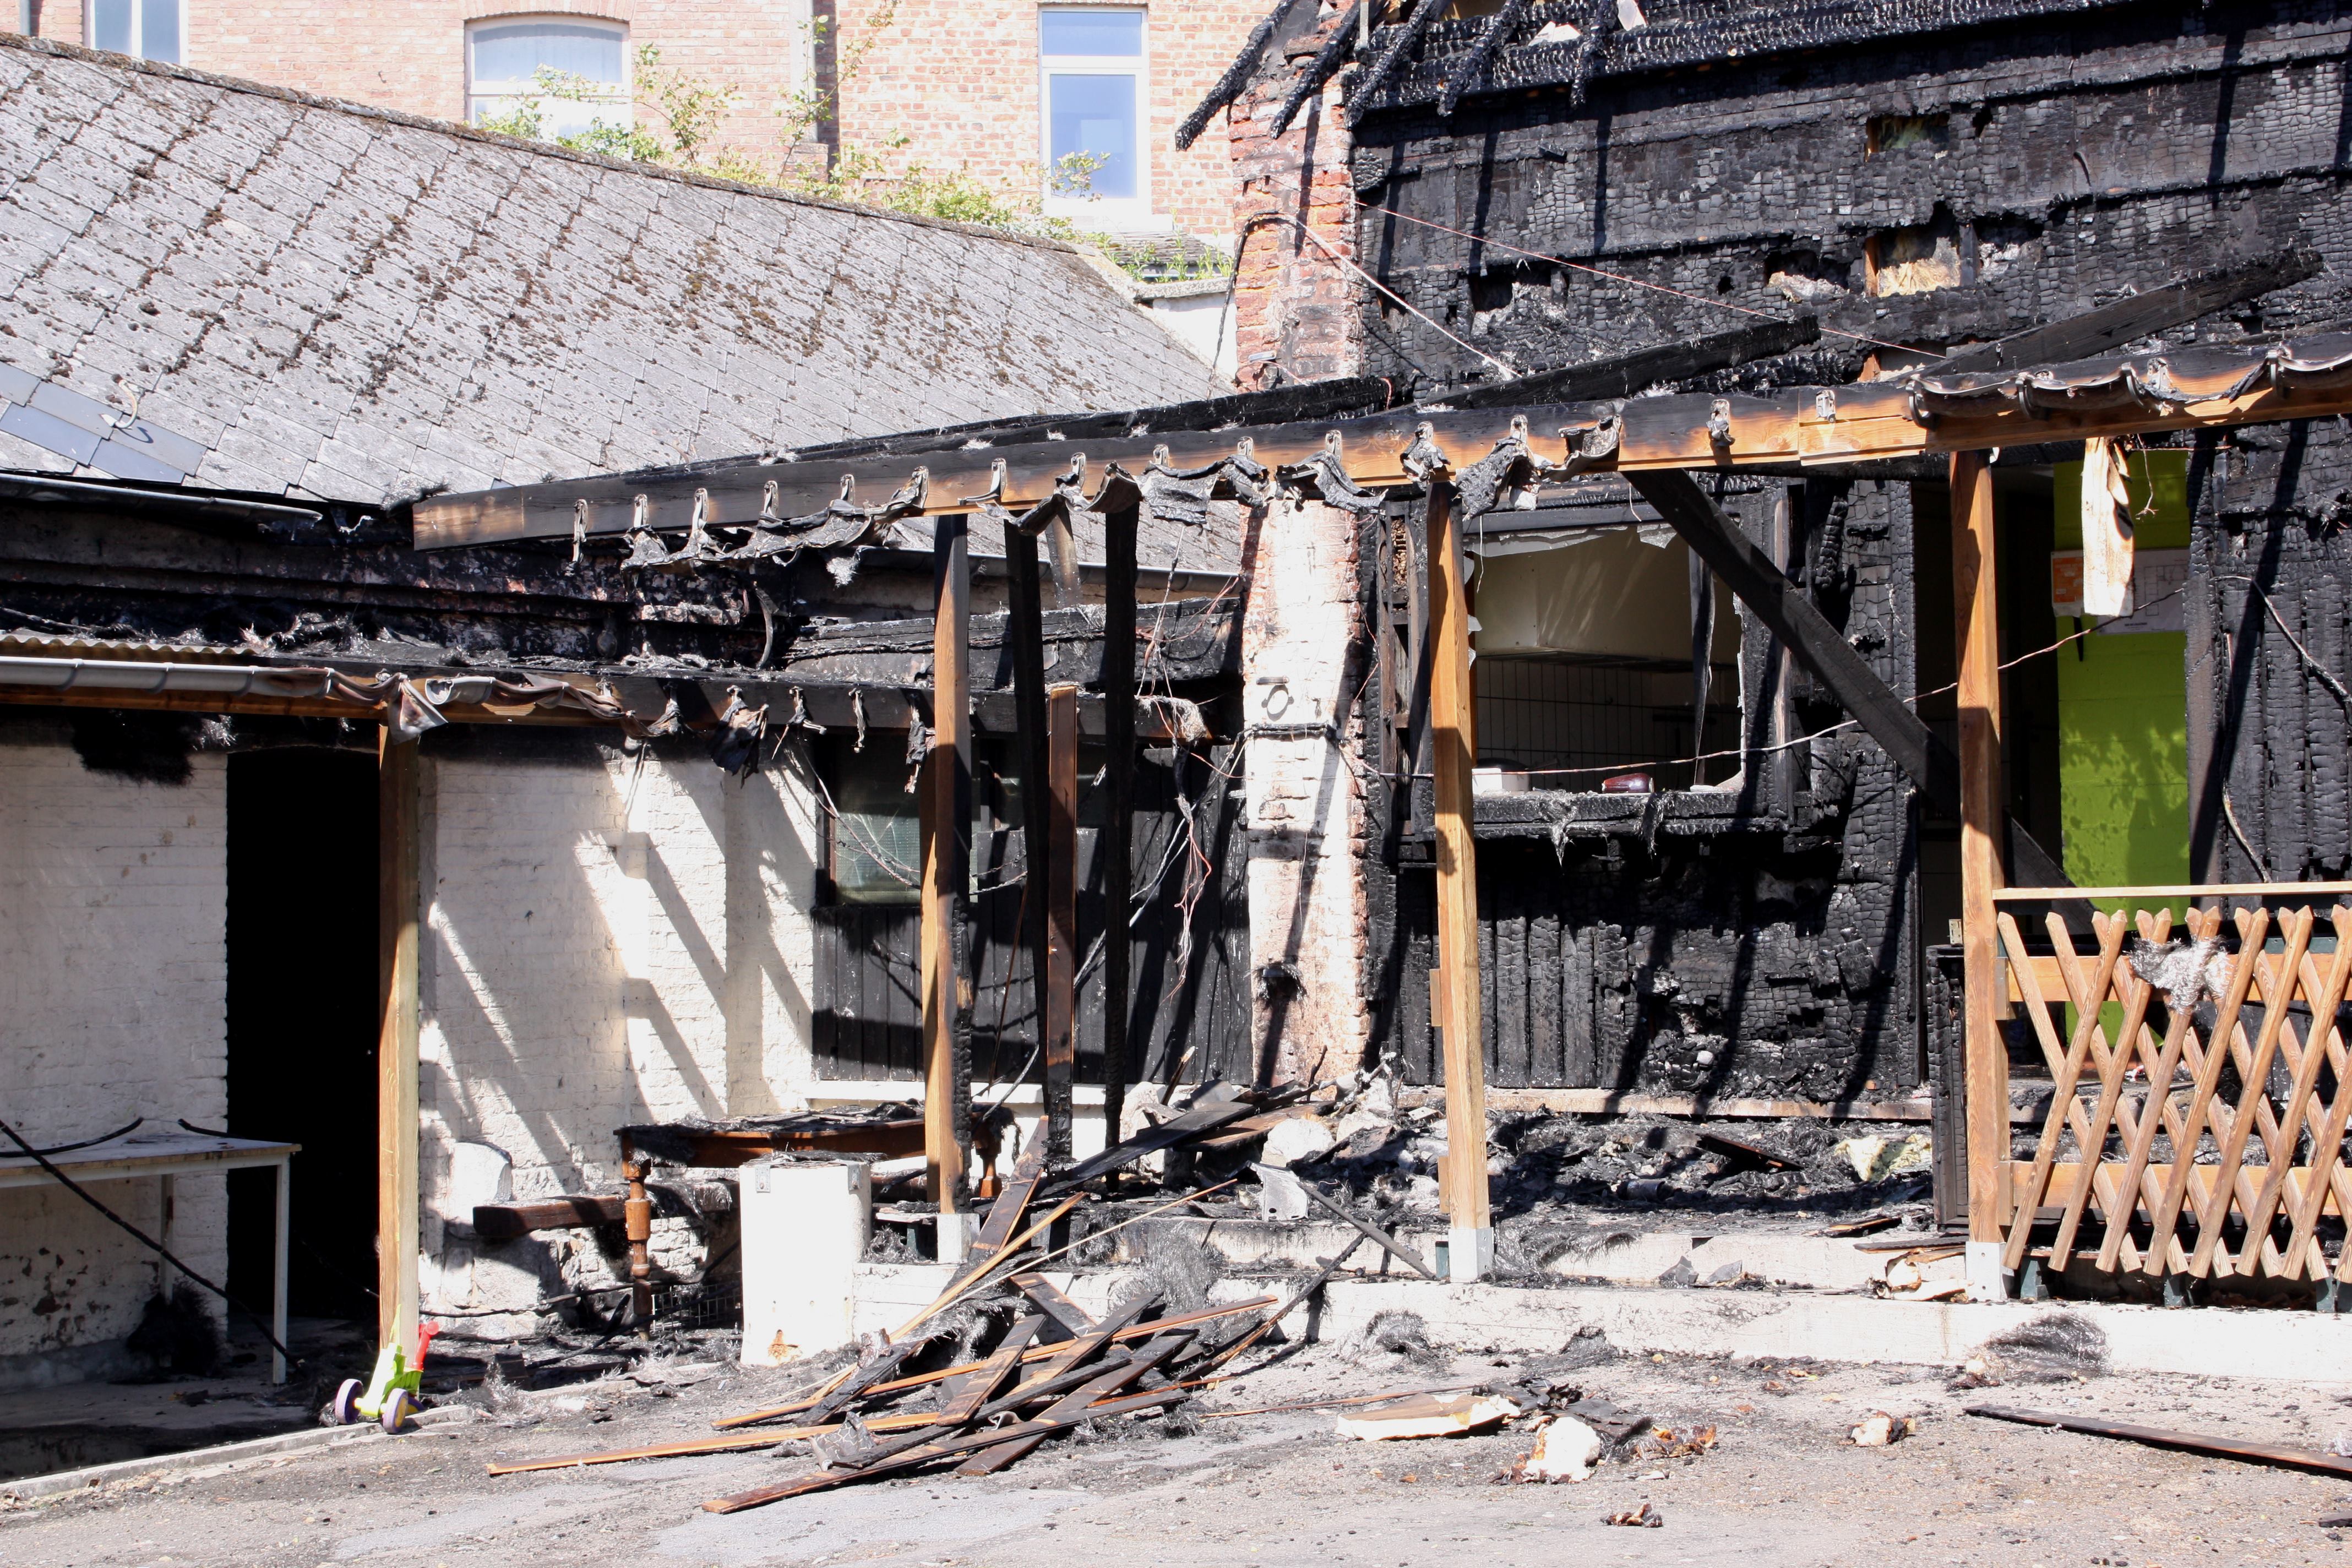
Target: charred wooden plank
2162,1438
1624,375
2136,316
505,1222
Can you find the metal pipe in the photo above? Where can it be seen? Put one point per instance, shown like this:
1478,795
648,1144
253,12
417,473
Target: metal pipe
123,675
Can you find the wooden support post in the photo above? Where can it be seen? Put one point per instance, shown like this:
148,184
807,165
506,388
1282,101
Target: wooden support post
1977,618
1025,629
1470,1250
1061,893
397,771
637,1226
1118,743
946,818
1062,559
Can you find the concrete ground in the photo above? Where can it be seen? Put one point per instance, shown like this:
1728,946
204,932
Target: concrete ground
1778,1486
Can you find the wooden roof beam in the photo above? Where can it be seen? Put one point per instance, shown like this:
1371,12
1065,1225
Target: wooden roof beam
1908,416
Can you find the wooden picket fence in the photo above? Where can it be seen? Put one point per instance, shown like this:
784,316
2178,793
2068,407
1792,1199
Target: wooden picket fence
2207,1150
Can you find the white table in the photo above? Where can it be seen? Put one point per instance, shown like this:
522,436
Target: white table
165,1152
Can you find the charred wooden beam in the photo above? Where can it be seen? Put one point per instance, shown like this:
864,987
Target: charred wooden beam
2136,316
1032,748
1118,741
1906,417
1057,807
1400,44
946,825
1624,375
1467,70
1337,46
1782,606
1237,76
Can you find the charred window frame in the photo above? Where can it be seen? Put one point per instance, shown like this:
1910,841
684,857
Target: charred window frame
1650,696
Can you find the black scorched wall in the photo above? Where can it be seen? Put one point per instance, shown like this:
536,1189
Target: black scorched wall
1913,188
1755,941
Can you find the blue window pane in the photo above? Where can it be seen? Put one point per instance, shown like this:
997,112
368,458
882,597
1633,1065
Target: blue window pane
1096,115
159,30
109,25
519,50
1092,32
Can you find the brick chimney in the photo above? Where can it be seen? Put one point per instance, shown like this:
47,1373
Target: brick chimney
1294,307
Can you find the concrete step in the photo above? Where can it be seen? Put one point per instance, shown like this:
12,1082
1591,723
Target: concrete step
2296,1346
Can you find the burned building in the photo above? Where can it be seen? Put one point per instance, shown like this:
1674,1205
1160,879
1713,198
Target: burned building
1749,197
246,329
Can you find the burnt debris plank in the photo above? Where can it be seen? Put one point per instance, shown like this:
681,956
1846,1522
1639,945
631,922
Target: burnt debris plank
977,1386
1151,1140
2163,1438
1369,1232
1066,1313
947,1447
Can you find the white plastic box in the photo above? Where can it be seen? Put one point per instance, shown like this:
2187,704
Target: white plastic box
806,1226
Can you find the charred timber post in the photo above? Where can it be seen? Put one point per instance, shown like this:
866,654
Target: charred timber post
1060,1011
397,770
1470,1249
1025,630
1118,741
946,819
1801,628
1977,617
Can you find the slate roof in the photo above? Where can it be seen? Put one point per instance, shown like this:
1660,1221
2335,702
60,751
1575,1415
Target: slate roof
239,287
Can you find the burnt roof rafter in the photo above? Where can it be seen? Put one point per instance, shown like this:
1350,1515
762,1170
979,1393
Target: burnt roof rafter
1921,412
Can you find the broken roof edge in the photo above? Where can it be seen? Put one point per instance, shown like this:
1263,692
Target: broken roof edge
111,61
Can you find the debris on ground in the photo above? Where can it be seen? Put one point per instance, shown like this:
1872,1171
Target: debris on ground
1566,1449
1875,1158
2056,1347
1879,1430
1644,1517
1429,1417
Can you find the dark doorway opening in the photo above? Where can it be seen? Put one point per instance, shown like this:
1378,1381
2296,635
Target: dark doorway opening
302,1021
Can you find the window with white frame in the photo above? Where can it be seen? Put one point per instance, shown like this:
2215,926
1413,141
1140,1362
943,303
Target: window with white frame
152,29
1092,66
571,70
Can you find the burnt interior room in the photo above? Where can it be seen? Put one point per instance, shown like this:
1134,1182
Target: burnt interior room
302,1024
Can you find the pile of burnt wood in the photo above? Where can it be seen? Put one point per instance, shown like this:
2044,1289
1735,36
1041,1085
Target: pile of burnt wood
1055,1368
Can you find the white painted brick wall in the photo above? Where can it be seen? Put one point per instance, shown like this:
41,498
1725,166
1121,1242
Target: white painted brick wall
113,986
1305,813
605,943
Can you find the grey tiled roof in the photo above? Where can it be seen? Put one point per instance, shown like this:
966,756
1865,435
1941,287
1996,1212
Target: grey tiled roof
272,293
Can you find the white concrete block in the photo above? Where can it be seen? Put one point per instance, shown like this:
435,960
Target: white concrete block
806,1226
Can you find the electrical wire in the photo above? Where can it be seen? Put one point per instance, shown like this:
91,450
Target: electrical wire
1258,218
130,1126
165,1253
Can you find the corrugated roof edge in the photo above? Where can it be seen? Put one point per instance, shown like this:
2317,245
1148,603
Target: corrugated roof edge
29,45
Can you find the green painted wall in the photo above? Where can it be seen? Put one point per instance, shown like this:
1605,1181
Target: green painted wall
2123,731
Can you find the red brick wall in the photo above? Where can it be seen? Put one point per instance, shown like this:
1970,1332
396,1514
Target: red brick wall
958,80
410,55
961,80
1294,303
